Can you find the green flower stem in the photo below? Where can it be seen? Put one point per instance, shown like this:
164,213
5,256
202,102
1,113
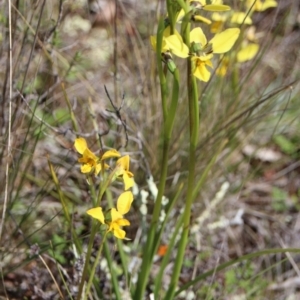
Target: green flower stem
171,15
167,211
95,228
161,69
159,278
194,132
96,262
114,279
169,117
65,206
104,186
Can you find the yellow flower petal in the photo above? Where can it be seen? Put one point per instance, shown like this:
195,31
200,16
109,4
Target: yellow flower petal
80,145
216,7
200,70
201,19
115,228
96,213
219,17
98,169
247,53
153,42
222,69
86,168
261,5
124,202
123,162
88,155
197,36
123,222
180,16
115,215
223,42
128,181
241,18
268,4
176,46
119,233
110,154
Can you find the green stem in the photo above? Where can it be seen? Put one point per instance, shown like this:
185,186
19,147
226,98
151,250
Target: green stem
95,225
95,228
151,246
166,260
194,131
113,274
96,262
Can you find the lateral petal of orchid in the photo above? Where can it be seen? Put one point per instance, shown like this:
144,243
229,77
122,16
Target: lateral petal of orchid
202,19
268,4
153,42
96,213
110,154
128,181
216,7
180,16
209,63
124,202
197,36
200,70
177,46
119,233
222,69
86,168
223,42
167,32
80,145
106,166
261,6
219,17
247,53
123,222
206,57
98,169
241,18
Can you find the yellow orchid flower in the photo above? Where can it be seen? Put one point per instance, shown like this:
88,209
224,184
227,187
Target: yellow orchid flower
200,70
215,6
220,43
259,5
198,5
218,21
122,170
117,220
91,162
241,18
247,52
249,47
